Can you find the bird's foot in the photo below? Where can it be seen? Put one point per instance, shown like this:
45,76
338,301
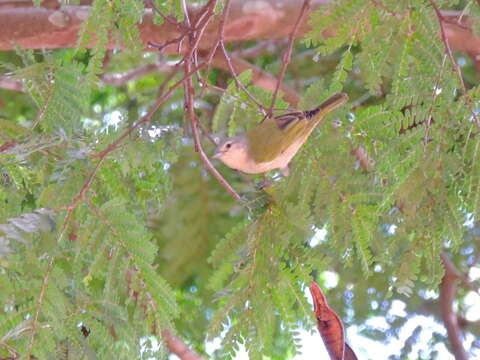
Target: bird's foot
263,184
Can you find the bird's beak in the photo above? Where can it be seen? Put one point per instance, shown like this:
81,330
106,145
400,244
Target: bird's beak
217,155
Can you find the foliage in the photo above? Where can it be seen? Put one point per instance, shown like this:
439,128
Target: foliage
87,274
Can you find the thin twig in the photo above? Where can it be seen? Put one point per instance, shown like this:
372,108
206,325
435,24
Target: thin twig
221,27
198,28
288,53
189,93
162,46
165,17
434,97
102,154
221,44
201,24
10,83
7,145
114,79
14,353
39,305
212,52
447,45
185,12
195,37
206,134
186,27
448,289
456,22
121,78
207,162
455,66
260,78
178,347
80,197
104,219
149,115
380,4
237,80
255,51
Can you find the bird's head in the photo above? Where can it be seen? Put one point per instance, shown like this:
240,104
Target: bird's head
233,152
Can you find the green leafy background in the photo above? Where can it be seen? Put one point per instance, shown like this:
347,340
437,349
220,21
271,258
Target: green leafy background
156,243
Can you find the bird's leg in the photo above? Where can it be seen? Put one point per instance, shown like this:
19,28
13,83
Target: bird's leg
264,183
285,171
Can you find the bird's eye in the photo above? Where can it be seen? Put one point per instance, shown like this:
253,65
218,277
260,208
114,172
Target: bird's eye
228,145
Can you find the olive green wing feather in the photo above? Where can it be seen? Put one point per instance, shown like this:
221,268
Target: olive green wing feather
272,137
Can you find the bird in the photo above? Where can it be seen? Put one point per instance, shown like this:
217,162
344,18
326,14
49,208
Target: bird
274,142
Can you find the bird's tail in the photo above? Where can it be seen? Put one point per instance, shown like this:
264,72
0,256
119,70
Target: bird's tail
327,106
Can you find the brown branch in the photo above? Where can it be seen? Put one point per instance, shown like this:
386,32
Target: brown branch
48,4
80,197
255,51
178,347
443,35
102,154
7,145
52,27
9,83
288,53
259,77
121,78
381,5
455,66
34,28
448,288
190,111
85,187
41,297
206,161
150,3
161,99
221,44
114,79
360,153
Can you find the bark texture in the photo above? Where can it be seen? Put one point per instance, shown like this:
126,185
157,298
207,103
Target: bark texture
50,28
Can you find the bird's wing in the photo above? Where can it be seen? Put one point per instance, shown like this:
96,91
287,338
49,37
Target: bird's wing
283,121
273,136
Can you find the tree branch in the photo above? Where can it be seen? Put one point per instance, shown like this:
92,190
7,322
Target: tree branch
190,111
221,44
51,27
178,347
42,28
121,78
161,99
448,288
455,66
9,83
288,53
259,77
381,5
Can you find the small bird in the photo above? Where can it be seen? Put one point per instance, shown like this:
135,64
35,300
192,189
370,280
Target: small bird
275,141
